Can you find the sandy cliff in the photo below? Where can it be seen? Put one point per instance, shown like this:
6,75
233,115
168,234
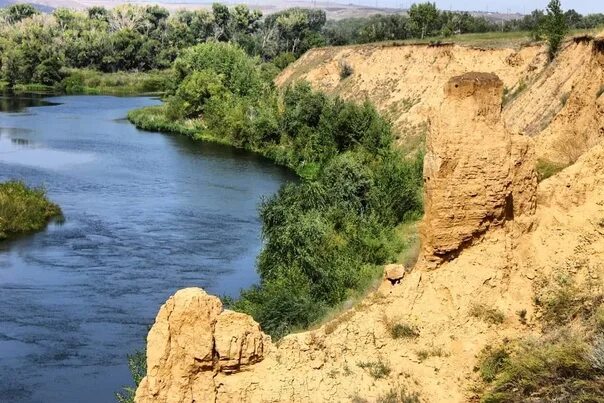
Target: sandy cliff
355,356
560,104
406,82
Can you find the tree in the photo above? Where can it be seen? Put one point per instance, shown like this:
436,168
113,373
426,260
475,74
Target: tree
222,19
196,90
18,12
555,27
573,18
423,15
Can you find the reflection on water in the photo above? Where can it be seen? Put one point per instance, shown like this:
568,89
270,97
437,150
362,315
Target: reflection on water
145,215
9,103
23,151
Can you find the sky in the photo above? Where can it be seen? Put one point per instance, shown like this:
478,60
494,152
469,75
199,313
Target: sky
515,6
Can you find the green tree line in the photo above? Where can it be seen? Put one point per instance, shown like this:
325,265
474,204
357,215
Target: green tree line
39,48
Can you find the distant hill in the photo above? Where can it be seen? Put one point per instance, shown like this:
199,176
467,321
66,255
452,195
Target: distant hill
40,7
334,10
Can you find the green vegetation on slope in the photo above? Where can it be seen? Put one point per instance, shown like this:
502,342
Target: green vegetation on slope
23,209
565,364
326,237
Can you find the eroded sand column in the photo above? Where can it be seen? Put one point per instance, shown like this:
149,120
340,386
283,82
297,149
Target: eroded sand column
473,170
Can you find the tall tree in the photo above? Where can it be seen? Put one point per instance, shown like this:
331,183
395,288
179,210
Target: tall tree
555,27
423,15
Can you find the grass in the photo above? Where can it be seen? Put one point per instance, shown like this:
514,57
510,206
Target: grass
561,301
153,118
377,369
509,96
399,395
492,316
23,209
599,319
426,353
564,364
557,368
92,82
492,362
547,169
486,40
400,330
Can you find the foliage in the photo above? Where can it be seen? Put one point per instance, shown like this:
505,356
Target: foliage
377,369
561,301
346,69
24,209
555,27
557,367
137,364
492,362
85,81
37,48
423,16
489,315
400,395
547,169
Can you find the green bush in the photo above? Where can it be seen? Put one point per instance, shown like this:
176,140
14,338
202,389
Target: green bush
489,315
377,369
24,209
241,73
283,60
556,368
137,364
195,91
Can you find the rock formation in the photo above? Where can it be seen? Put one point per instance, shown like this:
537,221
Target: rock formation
192,341
476,174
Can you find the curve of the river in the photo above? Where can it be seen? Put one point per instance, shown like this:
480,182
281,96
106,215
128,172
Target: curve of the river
146,214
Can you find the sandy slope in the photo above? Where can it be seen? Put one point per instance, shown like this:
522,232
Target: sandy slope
561,103
554,229
406,82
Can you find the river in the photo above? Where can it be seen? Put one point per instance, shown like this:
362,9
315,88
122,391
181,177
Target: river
145,215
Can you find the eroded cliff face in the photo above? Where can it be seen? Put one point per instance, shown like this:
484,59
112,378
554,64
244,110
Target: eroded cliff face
476,174
405,82
563,107
559,104
493,234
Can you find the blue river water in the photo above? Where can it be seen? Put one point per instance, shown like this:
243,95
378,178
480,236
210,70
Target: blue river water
145,215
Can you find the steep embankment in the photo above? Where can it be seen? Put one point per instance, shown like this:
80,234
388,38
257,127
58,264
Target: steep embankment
406,82
561,103
563,106
418,337
501,255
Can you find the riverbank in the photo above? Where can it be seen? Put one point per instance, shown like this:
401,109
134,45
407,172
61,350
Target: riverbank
327,237
23,209
93,82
